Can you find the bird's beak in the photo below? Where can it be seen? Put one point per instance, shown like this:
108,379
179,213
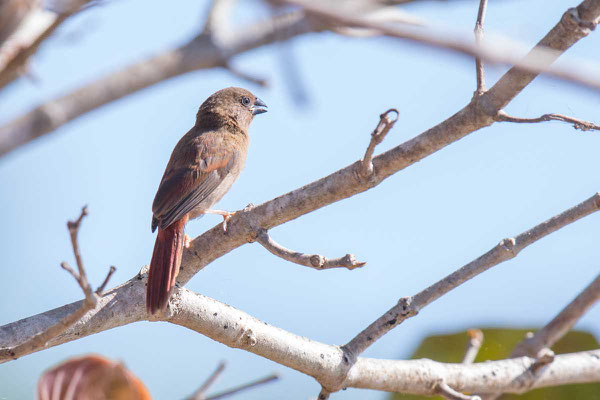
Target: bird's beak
258,107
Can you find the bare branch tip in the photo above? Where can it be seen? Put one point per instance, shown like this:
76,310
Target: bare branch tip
100,289
70,270
74,225
475,334
262,82
442,388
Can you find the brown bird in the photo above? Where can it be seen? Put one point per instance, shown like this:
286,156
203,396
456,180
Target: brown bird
90,377
203,166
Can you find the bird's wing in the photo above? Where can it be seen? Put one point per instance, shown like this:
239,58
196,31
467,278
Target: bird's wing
201,167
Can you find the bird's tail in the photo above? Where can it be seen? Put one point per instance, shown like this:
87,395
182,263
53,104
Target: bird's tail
164,266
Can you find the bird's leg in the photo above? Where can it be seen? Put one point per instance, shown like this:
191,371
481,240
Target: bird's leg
186,240
225,214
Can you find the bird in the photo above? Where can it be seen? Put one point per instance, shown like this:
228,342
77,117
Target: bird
203,165
91,377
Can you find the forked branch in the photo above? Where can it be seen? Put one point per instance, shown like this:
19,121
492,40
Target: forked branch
315,261
507,249
381,130
39,340
577,123
199,394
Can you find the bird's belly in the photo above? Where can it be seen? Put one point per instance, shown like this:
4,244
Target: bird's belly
214,197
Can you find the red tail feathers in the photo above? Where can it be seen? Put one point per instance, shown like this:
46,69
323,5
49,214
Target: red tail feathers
164,266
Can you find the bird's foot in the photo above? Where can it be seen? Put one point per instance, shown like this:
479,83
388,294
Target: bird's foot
225,214
226,218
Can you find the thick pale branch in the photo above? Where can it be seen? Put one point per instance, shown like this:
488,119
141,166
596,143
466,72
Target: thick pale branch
577,123
402,376
315,261
237,329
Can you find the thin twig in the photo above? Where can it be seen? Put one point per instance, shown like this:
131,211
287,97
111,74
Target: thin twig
473,346
447,392
580,124
250,385
41,339
479,67
315,261
507,249
73,227
245,76
199,394
383,127
101,288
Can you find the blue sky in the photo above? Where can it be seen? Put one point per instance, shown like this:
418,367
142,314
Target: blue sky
412,230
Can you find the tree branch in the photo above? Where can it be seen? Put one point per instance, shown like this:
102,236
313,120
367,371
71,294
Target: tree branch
479,67
561,324
129,297
377,136
35,27
315,261
125,304
246,386
473,345
577,123
202,52
536,62
237,329
410,306
199,394
538,345
39,340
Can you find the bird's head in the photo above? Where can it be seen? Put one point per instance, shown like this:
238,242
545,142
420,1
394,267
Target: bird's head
234,103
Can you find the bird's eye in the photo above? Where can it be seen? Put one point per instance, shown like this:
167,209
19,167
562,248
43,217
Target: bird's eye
246,101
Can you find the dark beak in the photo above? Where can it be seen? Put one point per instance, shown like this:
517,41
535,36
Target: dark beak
258,107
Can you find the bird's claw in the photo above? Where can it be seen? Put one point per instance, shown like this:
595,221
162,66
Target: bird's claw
226,218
